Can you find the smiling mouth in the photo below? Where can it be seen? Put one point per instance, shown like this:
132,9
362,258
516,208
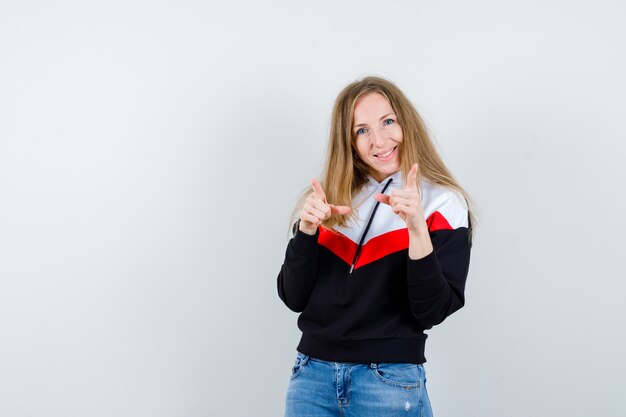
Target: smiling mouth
386,154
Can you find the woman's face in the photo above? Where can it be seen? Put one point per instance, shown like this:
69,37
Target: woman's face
378,135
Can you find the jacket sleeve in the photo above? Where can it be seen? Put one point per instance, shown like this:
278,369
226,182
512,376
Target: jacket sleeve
436,282
298,274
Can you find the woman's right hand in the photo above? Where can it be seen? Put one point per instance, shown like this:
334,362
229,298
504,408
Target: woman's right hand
316,209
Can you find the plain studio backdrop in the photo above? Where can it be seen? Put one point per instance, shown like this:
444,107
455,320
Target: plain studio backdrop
151,154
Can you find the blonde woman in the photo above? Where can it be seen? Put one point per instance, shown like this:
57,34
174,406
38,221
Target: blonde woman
380,253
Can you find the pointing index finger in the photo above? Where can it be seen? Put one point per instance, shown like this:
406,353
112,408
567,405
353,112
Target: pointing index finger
411,178
317,188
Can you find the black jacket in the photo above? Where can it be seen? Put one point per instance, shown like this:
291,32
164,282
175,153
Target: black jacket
361,298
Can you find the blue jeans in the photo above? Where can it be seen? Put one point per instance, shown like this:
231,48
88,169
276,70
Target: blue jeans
320,388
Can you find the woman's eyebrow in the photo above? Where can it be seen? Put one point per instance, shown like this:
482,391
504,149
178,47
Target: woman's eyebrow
381,118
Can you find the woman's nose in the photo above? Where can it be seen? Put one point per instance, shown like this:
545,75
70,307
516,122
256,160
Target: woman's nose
377,138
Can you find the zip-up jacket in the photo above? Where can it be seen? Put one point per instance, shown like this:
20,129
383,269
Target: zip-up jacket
361,298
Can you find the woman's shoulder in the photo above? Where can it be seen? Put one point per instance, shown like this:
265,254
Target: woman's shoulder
445,201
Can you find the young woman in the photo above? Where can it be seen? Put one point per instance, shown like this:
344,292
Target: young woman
380,253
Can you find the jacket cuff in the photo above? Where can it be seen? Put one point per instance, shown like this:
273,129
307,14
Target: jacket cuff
303,243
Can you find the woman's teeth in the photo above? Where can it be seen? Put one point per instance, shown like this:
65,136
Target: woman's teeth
386,153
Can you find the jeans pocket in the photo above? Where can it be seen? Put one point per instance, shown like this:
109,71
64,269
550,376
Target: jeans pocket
402,375
299,364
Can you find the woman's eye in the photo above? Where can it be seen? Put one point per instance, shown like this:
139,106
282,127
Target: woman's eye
389,121
360,131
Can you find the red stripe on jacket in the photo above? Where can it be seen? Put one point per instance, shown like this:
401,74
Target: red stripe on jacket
377,247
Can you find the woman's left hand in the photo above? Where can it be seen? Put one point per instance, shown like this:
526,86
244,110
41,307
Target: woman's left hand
406,204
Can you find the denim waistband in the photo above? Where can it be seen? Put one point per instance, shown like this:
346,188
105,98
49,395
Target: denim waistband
304,358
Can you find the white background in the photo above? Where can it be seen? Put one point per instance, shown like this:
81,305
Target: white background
151,153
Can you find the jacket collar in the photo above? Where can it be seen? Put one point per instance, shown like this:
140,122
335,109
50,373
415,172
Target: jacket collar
397,180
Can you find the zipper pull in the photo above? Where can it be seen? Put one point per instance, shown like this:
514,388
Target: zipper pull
351,268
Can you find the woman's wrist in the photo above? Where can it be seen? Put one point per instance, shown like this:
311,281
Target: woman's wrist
422,230
308,231
420,244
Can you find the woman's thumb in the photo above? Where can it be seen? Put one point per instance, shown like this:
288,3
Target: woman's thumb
339,210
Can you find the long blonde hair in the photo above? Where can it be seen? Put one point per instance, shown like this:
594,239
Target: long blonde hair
344,174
